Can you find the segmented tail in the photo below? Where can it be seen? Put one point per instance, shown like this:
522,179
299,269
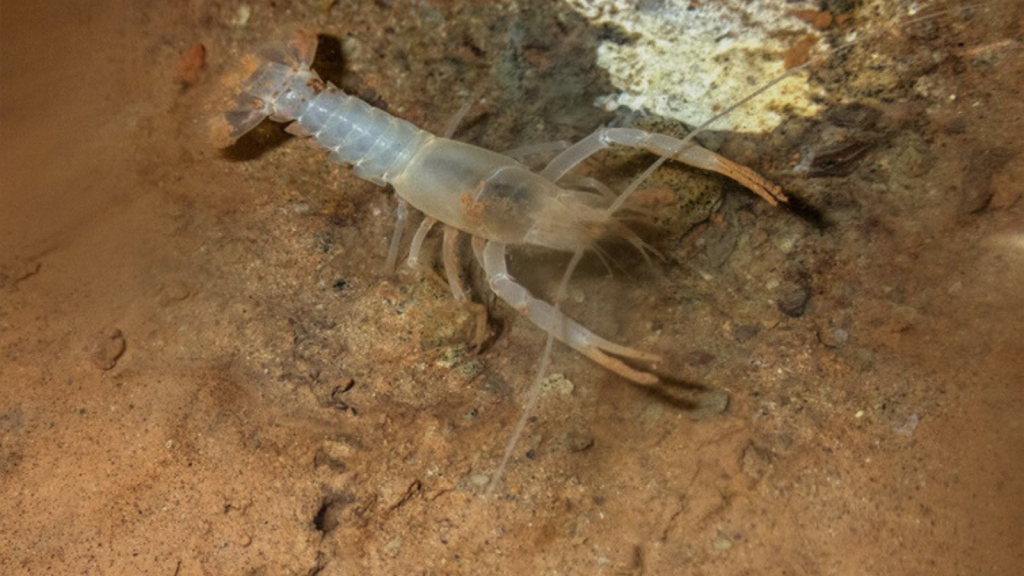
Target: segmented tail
250,106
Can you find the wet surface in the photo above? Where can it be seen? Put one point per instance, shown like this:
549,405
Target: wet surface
204,369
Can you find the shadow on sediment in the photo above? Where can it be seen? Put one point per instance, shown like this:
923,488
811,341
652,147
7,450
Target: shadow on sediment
690,396
266,136
808,213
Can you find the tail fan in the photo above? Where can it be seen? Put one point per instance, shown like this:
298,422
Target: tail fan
249,110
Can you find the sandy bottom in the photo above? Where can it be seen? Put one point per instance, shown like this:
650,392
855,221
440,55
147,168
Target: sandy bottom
204,369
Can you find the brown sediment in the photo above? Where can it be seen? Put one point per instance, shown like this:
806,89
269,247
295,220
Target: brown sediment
277,404
817,20
800,52
191,64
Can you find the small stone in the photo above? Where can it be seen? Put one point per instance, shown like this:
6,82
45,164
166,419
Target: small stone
699,358
902,318
471,369
334,454
496,386
558,384
174,291
242,16
745,332
109,350
908,426
861,358
976,186
786,241
450,356
720,244
722,543
351,48
652,413
1006,187
578,442
393,547
479,479
833,337
957,125
191,64
756,462
709,404
793,302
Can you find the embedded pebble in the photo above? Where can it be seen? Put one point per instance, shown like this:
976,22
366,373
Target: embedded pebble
745,332
698,358
334,454
793,302
710,403
394,546
722,543
174,291
907,427
976,186
755,462
786,241
721,243
109,350
861,358
652,413
1006,188
191,65
833,337
242,16
558,384
578,442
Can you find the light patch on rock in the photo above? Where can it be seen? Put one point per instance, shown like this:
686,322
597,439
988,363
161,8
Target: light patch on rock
690,60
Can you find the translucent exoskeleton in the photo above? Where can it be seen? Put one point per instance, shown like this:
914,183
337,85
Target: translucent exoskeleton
490,196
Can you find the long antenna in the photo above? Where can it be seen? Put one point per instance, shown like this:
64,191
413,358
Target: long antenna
693,134
542,369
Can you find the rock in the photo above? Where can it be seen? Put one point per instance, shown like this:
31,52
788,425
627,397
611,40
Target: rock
698,358
709,404
793,302
745,332
578,442
1006,185
720,243
976,185
833,336
756,462
191,65
557,384
335,454
174,291
110,348
862,358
